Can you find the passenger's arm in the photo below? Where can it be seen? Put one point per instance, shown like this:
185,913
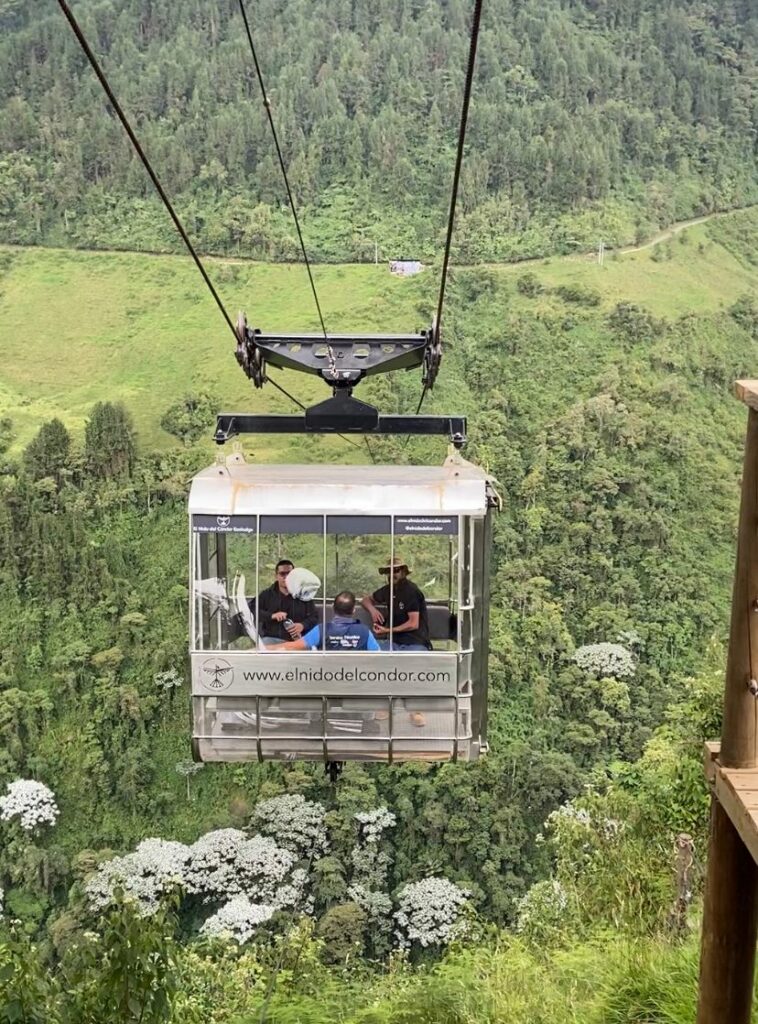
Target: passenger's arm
264,609
289,645
376,616
412,622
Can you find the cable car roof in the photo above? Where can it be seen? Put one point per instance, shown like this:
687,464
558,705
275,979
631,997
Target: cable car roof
241,489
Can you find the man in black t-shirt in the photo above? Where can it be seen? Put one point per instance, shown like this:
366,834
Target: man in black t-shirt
275,606
410,625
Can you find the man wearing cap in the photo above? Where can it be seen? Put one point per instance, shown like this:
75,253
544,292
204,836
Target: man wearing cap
410,625
278,604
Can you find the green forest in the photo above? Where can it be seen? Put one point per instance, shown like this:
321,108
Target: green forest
592,118
611,430
560,877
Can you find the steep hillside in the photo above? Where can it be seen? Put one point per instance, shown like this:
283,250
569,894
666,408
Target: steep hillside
617,445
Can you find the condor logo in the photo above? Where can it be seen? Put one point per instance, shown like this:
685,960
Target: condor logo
218,674
223,521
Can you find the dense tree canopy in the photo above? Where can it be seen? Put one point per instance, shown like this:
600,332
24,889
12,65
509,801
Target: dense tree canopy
644,111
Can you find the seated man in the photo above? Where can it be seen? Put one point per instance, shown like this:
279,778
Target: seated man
276,606
343,633
410,624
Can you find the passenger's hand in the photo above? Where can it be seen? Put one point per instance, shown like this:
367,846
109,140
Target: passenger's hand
278,616
380,630
377,617
296,630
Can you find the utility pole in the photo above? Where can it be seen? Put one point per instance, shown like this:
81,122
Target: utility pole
730,913
376,254
601,252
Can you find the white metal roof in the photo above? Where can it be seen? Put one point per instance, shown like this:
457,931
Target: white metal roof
241,489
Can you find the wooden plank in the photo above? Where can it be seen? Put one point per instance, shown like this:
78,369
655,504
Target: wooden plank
747,392
749,801
710,756
739,814
743,781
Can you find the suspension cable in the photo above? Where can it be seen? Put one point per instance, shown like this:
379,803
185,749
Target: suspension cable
94,63
141,154
290,197
475,23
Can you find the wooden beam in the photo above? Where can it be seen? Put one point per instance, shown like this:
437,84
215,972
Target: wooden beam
730,911
747,392
710,756
739,733
740,802
730,920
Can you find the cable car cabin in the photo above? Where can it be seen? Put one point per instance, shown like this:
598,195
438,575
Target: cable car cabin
254,698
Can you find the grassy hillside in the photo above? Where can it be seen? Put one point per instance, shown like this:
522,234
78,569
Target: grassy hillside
79,327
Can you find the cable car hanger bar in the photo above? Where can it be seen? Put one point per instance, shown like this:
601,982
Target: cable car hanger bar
343,419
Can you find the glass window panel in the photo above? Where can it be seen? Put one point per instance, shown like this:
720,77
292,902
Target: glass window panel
302,549
432,561
224,571
352,565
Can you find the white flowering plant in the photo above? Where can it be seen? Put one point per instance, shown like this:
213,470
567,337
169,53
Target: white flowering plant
295,823
30,803
211,870
606,659
373,824
432,912
543,913
145,875
369,860
237,920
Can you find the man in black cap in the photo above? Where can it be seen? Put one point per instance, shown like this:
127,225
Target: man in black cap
410,625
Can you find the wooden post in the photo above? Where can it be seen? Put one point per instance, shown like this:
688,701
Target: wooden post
730,912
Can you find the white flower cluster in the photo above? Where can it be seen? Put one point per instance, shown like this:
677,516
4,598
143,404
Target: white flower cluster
212,870
431,912
31,802
571,813
145,875
219,866
378,905
374,823
605,660
168,680
292,893
542,907
228,863
237,919
370,862
580,819
295,823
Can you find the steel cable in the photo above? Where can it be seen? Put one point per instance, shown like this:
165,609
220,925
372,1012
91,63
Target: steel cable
141,154
476,21
94,63
290,197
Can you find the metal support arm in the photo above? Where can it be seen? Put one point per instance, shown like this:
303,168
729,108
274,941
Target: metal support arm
229,424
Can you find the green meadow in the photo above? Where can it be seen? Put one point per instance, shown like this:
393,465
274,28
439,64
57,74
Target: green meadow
79,327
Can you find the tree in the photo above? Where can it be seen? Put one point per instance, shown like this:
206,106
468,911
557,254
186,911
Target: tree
109,442
190,417
48,454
